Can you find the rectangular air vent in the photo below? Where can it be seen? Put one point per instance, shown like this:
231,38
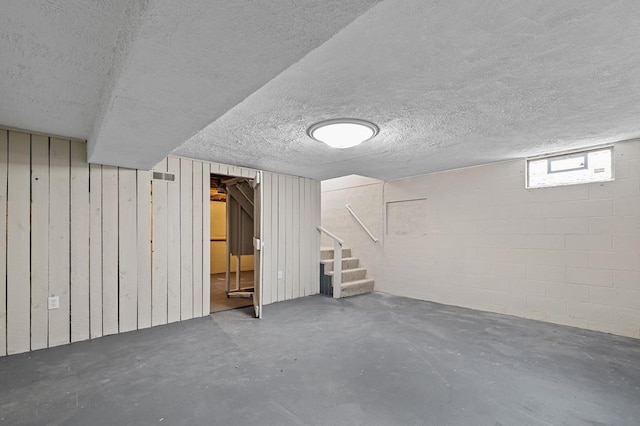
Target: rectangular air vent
169,177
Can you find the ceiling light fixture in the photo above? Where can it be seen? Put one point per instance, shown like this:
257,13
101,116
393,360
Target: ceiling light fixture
343,132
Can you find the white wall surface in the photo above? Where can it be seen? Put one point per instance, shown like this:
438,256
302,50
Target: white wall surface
364,195
123,252
569,255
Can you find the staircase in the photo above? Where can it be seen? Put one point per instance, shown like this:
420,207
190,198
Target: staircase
354,278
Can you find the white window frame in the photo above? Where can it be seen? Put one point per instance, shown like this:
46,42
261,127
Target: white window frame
584,153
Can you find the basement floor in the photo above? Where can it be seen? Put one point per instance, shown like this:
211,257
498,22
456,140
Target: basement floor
218,299
371,360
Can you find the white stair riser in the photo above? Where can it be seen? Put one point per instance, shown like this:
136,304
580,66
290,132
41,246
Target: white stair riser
358,287
349,263
326,254
354,278
352,274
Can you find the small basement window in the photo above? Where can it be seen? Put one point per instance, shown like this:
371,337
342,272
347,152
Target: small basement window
569,169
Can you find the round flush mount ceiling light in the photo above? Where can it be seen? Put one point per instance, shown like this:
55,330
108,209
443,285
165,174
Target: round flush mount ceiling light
343,132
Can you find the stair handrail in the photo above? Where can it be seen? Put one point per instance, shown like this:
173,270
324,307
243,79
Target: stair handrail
375,240
330,234
337,262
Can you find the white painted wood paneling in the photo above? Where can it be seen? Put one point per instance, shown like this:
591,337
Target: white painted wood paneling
127,251
304,238
79,227
315,214
282,237
234,171
119,252
39,241
291,240
288,234
59,240
315,242
159,247
206,232
95,250
109,250
143,227
295,236
186,235
310,231
18,281
304,241
214,168
197,238
173,243
275,236
3,241
267,236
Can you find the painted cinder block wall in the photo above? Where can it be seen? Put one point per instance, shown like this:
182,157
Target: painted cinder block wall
364,196
123,252
568,255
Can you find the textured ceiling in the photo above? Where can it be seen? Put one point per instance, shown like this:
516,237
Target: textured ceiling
189,63
450,83
54,60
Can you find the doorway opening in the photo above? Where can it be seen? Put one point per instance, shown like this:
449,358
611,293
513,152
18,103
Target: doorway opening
232,201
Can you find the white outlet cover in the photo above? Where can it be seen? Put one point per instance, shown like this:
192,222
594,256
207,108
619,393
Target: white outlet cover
54,302
280,275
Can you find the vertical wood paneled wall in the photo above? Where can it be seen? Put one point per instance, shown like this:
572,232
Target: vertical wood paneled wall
123,252
180,242
84,233
291,209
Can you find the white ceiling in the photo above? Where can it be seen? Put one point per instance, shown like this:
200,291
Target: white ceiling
451,83
54,60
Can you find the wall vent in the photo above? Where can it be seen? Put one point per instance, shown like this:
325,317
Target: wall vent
169,177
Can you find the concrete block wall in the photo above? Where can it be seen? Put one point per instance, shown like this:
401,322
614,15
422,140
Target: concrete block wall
569,255
364,195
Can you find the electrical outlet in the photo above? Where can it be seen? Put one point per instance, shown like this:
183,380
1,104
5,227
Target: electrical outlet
280,275
54,302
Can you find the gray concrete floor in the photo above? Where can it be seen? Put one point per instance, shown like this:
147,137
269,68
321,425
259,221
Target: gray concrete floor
369,360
